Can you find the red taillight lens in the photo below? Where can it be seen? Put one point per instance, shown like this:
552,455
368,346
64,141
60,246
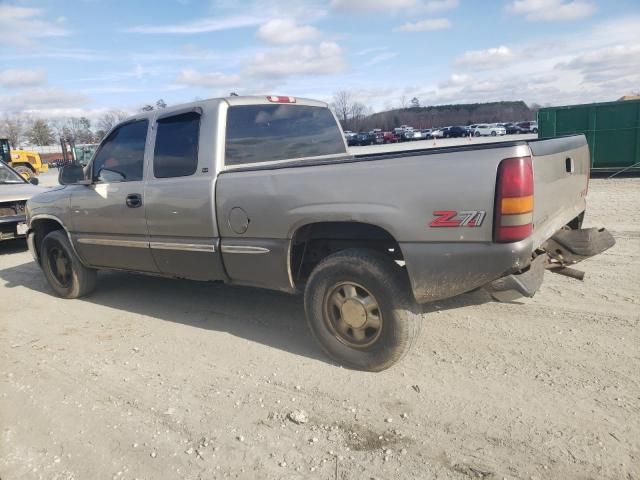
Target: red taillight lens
514,200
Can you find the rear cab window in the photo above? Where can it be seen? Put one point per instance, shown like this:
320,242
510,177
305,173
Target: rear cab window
176,149
257,134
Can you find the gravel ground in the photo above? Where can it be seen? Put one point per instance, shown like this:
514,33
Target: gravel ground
159,379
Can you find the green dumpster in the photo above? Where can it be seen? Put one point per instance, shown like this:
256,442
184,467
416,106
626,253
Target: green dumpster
612,130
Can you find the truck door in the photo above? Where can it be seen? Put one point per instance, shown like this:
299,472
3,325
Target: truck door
108,217
179,193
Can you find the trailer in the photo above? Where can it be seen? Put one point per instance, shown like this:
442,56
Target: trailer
612,130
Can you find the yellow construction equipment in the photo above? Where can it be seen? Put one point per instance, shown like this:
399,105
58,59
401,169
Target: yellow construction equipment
25,162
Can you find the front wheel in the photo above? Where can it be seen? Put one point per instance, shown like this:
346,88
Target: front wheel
62,268
360,310
493,134
477,134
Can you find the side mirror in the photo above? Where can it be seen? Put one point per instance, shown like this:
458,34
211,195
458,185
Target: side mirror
70,174
34,181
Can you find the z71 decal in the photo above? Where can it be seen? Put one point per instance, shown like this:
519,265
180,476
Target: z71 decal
451,218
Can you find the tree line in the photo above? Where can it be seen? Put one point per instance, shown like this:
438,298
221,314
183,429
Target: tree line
356,116
23,129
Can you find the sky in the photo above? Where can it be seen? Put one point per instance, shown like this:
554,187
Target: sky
84,57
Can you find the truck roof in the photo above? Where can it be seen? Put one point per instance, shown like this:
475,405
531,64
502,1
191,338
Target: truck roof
231,101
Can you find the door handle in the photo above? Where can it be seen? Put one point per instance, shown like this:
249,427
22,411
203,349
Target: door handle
134,200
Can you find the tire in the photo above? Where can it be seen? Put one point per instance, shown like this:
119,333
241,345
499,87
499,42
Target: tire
375,279
493,133
535,130
56,254
26,172
477,134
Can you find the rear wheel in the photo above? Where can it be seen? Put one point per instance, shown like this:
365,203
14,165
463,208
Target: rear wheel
62,268
493,133
477,134
26,172
360,310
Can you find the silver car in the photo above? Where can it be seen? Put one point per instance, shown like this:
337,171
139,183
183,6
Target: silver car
14,193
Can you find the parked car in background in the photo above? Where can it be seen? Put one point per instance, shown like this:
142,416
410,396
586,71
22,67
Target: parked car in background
407,135
377,135
365,138
437,132
427,133
485,130
390,137
529,127
511,128
418,135
455,132
352,138
14,193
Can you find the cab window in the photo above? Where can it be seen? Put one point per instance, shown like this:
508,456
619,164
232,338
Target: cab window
121,156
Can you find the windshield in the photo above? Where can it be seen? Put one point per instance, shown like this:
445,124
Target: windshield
9,176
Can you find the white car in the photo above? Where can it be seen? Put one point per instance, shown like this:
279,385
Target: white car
437,133
486,130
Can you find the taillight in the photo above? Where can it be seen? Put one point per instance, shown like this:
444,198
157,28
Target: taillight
281,99
514,200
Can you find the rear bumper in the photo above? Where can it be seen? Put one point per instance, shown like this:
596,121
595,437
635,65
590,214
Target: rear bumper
443,270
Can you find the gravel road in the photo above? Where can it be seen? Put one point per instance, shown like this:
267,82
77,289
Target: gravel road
152,378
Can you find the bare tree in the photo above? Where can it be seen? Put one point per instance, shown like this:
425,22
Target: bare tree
13,128
108,120
40,133
342,105
415,103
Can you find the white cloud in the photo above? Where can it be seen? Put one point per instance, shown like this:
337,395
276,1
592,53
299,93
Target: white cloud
194,78
199,26
455,80
325,59
395,5
604,65
380,57
38,99
485,59
283,30
552,10
14,78
20,25
425,25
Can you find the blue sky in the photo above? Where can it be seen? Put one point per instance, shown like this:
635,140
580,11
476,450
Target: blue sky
63,57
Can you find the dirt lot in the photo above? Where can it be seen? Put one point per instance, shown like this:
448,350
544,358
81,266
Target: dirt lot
159,379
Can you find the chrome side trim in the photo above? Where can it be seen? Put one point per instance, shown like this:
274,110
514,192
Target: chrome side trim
114,243
243,249
189,247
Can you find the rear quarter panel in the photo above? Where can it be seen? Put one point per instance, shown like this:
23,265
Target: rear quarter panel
397,193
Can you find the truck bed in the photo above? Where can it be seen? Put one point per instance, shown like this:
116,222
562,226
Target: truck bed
400,191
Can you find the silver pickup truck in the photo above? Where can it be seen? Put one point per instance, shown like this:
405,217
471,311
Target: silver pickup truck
262,191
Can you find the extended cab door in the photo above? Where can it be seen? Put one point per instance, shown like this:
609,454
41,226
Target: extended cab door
179,196
108,216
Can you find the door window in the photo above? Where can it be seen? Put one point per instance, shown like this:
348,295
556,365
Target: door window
176,152
121,155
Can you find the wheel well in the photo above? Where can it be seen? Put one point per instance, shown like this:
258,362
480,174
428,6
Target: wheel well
42,228
313,242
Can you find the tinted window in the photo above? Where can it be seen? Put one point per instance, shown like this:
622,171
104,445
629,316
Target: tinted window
121,155
176,152
262,133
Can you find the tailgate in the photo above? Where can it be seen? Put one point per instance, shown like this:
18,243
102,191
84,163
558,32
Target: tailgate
561,175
